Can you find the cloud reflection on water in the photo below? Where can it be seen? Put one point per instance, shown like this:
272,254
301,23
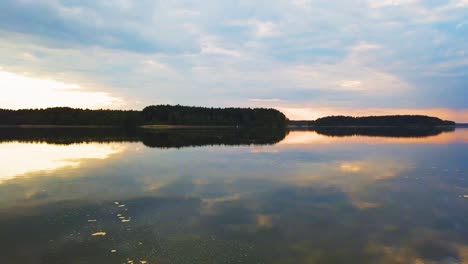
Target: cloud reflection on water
23,158
293,202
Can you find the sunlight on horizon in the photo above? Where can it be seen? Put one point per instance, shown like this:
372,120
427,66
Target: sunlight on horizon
28,92
312,113
25,92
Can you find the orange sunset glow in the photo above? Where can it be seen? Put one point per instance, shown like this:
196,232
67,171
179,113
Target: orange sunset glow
460,116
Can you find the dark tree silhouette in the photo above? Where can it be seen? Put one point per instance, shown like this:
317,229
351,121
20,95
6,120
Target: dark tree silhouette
187,115
393,120
151,115
70,117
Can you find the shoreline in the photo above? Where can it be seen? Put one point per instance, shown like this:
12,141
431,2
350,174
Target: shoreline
376,126
56,126
157,127
181,126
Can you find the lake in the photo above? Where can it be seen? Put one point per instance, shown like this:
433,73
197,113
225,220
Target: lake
224,196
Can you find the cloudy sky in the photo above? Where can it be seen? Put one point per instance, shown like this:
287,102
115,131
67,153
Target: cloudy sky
307,58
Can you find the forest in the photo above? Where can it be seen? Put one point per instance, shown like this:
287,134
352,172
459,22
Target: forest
178,115
390,120
66,116
187,115
151,115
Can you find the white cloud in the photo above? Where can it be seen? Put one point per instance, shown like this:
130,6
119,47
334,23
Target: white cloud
156,64
350,84
304,4
211,45
364,46
265,29
384,3
121,4
187,12
461,3
210,48
461,24
260,28
347,75
265,100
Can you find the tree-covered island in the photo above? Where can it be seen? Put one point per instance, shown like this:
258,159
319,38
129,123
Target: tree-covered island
159,115
375,121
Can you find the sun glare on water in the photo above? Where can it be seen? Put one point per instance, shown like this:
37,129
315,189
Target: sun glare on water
45,157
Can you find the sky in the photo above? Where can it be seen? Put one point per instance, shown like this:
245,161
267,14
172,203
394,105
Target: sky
306,58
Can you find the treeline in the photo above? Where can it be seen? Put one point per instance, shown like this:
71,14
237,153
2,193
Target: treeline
66,116
391,120
187,115
151,115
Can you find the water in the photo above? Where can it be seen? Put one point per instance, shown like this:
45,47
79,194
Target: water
106,196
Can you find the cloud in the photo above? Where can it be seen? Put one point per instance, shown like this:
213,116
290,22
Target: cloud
265,29
266,100
187,12
461,24
208,47
385,3
364,46
302,51
259,28
157,65
139,26
345,76
461,3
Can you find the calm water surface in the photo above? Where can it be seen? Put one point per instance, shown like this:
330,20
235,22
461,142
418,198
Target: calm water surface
177,197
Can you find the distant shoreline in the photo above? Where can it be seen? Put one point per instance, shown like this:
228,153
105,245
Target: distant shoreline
184,117
374,126
164,127
154,116
55,126
96,126
403,121
181,126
